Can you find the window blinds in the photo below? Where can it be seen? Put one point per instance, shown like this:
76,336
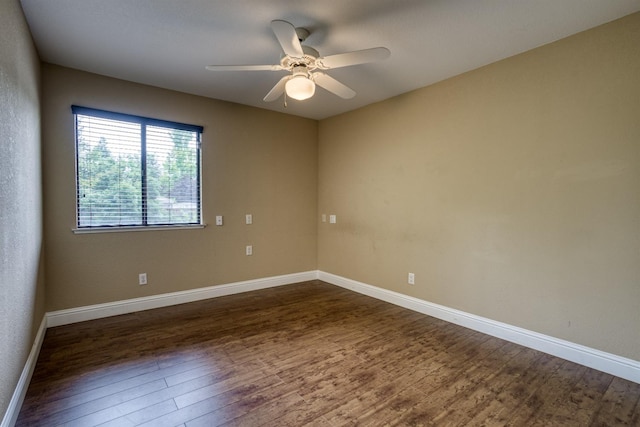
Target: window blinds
136,171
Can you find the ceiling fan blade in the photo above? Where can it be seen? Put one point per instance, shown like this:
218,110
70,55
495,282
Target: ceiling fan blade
333,86
353,58
287,37
277,90
244,67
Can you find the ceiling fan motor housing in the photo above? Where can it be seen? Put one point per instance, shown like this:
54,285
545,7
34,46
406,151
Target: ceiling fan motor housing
308,60
300,70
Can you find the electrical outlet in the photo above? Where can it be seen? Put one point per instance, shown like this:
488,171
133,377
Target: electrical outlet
218,219
248,219
411,279
332,219
249,250
142,278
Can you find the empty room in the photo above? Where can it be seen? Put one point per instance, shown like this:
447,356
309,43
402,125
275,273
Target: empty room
330,213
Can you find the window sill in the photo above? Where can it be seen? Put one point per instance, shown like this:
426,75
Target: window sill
94,230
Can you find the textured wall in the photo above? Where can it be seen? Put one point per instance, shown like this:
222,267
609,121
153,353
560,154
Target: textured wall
254,161
512,191
21,278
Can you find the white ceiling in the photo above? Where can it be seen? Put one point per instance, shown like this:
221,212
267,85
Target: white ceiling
168,43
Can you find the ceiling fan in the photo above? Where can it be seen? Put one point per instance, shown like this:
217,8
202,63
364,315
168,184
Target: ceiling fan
305,65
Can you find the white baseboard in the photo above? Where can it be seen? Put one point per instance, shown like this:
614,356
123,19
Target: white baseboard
98,311
11,415
606,362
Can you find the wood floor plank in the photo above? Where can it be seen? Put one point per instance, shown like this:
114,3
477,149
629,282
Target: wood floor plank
87,410
247,378
286,410
392,409
586,394
618,404
333,390
250,394
144,415
481,396
537,409
635,418
472,391
354,408
229,406
178,389
527,375
307,354
451,386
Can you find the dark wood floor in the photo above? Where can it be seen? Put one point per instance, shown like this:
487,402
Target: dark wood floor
307,354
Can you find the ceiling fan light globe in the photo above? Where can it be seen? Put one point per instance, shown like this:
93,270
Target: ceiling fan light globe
300,88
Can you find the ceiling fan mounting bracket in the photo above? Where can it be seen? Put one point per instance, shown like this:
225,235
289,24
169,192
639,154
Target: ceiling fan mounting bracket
302,34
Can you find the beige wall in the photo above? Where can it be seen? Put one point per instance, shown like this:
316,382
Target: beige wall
254,161
512,191
21,273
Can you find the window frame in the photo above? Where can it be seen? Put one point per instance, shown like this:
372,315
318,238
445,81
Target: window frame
143,122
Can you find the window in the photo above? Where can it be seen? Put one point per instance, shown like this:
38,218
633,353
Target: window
135,172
